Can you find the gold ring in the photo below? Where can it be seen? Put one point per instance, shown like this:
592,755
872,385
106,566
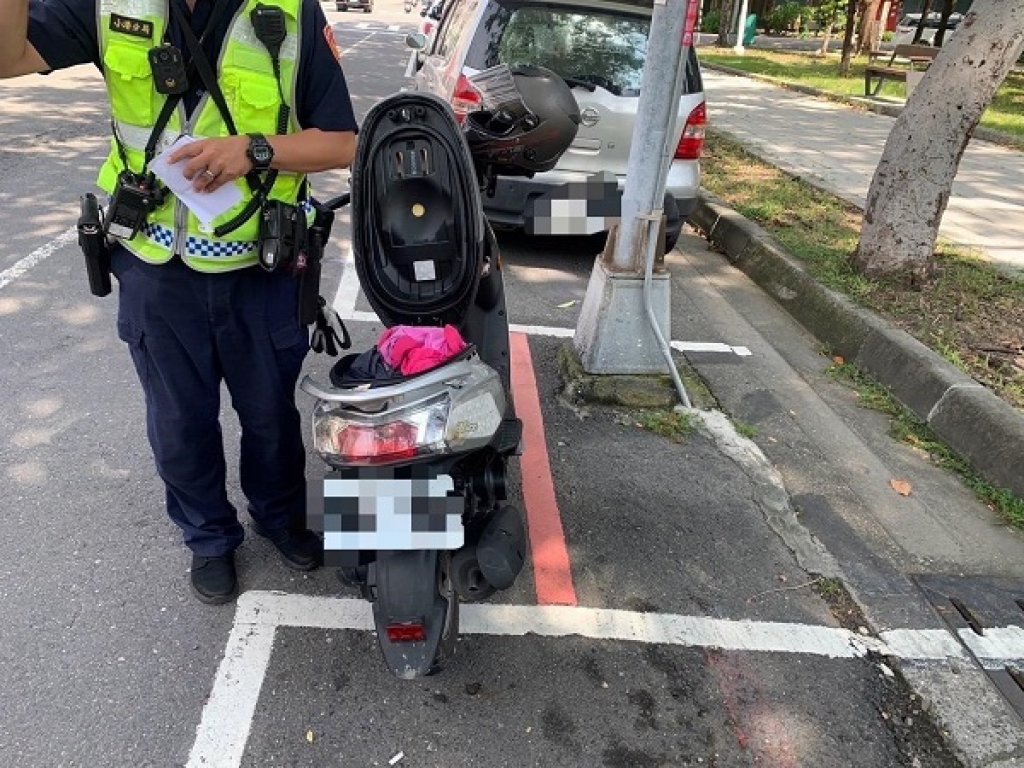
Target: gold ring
207,172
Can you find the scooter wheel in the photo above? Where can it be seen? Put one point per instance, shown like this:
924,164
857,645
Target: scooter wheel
468,579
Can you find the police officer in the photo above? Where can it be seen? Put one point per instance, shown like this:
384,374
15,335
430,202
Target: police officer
195,308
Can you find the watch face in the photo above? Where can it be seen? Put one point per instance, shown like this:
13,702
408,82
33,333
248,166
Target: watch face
261,152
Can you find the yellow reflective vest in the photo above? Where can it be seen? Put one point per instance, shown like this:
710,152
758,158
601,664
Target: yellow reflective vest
246,76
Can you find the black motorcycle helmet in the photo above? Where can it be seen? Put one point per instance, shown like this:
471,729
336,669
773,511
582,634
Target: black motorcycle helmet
524,144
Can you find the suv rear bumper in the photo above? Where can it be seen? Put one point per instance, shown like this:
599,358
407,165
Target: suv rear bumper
513,198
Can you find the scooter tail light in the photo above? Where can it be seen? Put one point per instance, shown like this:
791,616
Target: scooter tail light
385,441
347,438
407,633
692,141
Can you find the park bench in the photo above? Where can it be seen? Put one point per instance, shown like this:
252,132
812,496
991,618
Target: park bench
904,59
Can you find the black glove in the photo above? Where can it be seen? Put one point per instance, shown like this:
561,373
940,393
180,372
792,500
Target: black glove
328,323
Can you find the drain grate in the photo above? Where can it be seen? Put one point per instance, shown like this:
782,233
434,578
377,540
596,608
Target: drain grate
990,608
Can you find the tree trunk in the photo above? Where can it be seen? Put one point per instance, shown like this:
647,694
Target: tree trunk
947,11
913,181
920,24
726,13
851,17
868,25
828,31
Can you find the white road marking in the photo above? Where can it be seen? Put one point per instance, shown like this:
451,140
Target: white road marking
348,293
352,47
997,646
542,330
342,299
11,274
227,717
709,346
228,714
348,287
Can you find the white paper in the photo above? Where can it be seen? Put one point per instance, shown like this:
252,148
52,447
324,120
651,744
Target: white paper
205,205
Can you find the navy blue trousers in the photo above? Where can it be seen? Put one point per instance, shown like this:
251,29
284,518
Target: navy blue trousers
188,332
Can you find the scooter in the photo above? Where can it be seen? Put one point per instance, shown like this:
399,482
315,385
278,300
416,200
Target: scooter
413,507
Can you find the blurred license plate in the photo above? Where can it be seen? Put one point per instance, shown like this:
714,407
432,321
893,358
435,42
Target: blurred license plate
576,208
377,509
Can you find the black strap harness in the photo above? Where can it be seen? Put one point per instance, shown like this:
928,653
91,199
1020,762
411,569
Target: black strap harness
269,25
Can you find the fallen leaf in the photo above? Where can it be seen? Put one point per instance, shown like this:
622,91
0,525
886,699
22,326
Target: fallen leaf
567,304
839,360
902,487
309,736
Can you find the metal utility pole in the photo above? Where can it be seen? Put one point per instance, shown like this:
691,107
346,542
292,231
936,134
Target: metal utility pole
616,332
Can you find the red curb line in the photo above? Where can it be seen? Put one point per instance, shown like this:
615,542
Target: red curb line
552,573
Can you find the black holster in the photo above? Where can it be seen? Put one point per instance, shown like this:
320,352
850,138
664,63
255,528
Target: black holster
309,262
93,243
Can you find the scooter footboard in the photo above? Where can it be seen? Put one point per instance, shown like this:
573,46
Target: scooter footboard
415,610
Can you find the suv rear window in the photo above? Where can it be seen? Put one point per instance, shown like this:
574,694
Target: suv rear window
600,47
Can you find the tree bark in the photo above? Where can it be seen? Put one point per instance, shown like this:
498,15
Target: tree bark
851,18
726,13
911,186
947,11
926,8
823,51
868,25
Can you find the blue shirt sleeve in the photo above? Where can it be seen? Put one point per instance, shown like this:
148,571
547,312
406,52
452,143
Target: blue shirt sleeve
323,98
64,32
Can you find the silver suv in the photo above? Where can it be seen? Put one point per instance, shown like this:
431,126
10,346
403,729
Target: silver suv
599,47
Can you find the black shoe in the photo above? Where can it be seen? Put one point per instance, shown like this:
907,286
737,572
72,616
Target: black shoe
300,550
213,578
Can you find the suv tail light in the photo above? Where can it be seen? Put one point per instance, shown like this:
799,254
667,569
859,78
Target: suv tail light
692,140
465,99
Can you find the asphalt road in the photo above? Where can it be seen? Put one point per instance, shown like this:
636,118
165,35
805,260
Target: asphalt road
106,659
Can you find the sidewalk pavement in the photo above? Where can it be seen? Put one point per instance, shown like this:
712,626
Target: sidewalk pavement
979,426
837,148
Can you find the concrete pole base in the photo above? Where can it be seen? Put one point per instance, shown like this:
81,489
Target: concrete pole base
613,334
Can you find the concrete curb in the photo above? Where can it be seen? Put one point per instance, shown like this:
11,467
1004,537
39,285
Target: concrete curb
890,110
975,423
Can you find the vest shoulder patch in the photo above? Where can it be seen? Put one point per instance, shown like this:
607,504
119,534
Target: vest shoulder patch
129,26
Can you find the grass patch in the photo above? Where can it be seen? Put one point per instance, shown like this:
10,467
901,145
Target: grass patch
907,428
968,312
829,587
1005,113
748,431
673,425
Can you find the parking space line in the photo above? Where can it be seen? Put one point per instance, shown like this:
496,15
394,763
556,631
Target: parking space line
227,717
360,316
549,554
41,253
231,707
348,287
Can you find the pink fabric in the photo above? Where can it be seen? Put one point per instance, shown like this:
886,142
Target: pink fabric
412,349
